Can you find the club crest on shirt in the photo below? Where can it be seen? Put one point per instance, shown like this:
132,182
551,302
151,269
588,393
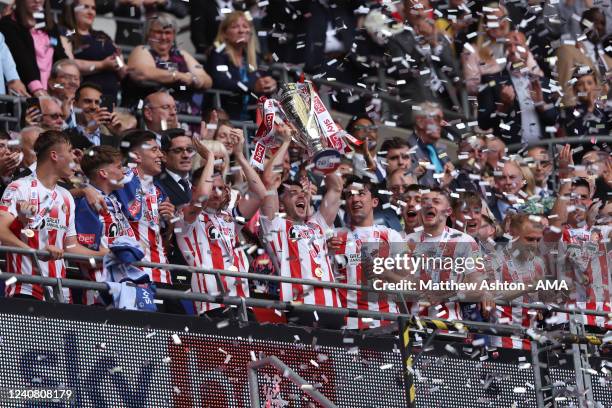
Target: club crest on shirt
297,232
113,230
212,232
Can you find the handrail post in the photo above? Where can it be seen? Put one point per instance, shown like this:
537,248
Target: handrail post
406,344
58,291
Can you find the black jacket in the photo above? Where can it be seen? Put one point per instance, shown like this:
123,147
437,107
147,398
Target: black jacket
489,99
178,197
79,141
20,42
232,104
416,70
205,20
175,192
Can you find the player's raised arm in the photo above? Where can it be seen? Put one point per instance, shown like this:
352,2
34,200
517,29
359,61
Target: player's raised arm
272,177
204,185
332,199
249,204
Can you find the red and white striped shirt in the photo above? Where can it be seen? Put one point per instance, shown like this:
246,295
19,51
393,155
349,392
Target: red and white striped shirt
350,271
147,230
300,251
211,241
52,223
586,266
528,272
453,244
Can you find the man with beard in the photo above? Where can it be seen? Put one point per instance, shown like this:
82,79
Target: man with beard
521,264
363,235
297,243
207,235
36,213
436,243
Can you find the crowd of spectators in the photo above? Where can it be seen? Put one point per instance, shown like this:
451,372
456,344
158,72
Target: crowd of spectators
101,143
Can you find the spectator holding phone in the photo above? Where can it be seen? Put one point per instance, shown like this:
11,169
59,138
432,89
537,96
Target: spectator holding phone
95,125
46,112
98,58
34,41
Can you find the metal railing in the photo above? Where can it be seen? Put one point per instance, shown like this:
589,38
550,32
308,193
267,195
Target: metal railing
421,323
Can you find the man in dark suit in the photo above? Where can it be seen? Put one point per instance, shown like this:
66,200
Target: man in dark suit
425,146
94,125
175,178
175,181
506,194
423,58
519,106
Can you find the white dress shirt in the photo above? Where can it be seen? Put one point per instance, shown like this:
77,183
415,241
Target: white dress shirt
530,122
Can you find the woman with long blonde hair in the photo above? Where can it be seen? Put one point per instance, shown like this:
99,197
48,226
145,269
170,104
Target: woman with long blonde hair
488,56
233,66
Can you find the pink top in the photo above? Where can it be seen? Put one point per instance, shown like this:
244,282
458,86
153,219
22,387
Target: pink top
44,58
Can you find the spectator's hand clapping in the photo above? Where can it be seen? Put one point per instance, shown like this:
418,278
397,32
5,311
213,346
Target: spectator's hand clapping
447,178
8,163
214,119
